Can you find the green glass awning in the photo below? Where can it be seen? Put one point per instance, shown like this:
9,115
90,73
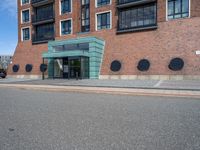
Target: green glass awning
90,47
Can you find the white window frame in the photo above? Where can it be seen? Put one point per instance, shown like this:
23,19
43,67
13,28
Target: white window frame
61,27
29,16
25,3
103,5
22,36
60,8
177,18
96,28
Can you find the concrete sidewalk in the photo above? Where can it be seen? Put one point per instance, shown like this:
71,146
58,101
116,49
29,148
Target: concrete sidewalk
183,88
193,85
106,90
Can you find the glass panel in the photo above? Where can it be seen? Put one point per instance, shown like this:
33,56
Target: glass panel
85,67
65,6
75,67
185,6
103,21
58,68
102,2
178,6
66,27
178,9
71,47
26,34
171,8
25,16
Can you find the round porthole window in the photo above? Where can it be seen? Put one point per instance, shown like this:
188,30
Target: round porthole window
15,68
176,64
29,67
43,67
115,66
143,65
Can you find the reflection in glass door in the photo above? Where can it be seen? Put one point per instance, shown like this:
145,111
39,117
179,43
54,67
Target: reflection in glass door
71,67
84,67
75,67
58,68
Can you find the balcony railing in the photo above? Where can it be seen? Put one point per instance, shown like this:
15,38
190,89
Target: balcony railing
127,3
40,19
124,29
36,3
42,39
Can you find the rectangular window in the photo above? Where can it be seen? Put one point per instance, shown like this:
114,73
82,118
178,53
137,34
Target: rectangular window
178,9
25,34
25,16
66,27
102,2
138,17
65,6
103,21
25,2
85,15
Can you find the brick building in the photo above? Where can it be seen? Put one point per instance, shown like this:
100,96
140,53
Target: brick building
123,39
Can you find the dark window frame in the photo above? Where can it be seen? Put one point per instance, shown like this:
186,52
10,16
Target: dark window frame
138,8
25,34
104,25
67,9
181,13
23,2
25,15
67,30
100,3
85,20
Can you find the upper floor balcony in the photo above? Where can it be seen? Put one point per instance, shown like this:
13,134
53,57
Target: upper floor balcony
129,3
42,38
43,19
36,3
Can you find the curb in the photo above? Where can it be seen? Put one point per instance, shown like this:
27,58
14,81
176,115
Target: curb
108,90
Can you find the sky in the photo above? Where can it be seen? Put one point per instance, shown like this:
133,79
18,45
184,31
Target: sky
8,26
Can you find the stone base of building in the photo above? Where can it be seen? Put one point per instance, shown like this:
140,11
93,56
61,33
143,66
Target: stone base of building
25,76
122,77
151,77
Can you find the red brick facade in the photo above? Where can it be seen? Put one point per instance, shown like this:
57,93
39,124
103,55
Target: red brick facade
174,38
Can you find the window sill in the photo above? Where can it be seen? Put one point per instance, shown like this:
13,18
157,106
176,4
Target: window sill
99,6
79,33
174,19
106,29
137,29
66,13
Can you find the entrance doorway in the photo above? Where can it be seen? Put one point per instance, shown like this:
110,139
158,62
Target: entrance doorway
71,67
75,67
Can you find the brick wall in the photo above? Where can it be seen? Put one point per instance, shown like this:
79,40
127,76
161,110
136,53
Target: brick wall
176,38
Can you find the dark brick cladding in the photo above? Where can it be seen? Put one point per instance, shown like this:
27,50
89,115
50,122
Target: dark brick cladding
176,38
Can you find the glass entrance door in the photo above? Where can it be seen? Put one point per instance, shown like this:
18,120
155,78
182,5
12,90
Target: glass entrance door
75,67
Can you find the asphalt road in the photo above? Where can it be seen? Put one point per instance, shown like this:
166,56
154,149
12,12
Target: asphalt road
36,120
